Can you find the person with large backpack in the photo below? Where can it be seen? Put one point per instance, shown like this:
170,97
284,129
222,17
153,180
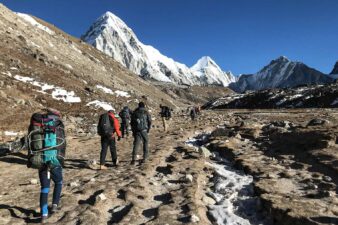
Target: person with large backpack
165,114
125,120
140,124
108,125
46,151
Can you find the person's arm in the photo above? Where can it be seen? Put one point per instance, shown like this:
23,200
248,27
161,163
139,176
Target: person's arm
149,121
116,125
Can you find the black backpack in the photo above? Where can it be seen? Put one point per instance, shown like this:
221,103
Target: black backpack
105,127
125,114
140,120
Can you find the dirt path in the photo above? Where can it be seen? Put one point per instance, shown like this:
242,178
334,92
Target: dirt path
157,192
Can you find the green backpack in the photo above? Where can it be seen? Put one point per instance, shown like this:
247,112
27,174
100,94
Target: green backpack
46,141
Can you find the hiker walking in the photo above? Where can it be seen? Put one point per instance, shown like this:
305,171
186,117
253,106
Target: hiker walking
193,113
125,120
165,114
140,124
47,147
107,127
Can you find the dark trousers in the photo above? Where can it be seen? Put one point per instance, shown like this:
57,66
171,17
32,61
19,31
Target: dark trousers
105,143
139,138
56,176
125,127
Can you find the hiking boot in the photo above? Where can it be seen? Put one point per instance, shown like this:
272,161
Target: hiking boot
132,162
115,162
54,208
44,219
103,167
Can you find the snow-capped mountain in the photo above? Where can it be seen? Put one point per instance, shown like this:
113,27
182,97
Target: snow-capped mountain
281,73
112,36
210,73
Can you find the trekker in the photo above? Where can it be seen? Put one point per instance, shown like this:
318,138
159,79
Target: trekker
125,120
108,125
46,151
140,125
165,115
193,113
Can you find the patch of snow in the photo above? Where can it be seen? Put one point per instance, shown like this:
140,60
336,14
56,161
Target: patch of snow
7,73
13,68
10,133
122,94
98,104
58,93
23,79
34,23
66,96
105,89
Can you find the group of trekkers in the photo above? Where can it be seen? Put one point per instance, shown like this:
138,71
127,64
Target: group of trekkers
46,144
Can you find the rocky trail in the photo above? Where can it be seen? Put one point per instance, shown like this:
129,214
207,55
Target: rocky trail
181,185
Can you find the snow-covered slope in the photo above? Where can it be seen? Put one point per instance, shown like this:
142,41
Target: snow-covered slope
112,36
281,73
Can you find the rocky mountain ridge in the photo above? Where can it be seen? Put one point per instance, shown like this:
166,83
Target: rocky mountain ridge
112,36
281,73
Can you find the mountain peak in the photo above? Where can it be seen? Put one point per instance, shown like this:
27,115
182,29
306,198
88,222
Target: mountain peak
335,69
282,59
204,62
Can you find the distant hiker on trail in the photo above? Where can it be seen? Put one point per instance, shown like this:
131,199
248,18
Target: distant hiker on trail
125,115
198,109
140,125
107,127
46,151
193,113
165,114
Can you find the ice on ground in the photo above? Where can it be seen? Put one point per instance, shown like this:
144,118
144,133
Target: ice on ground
98,104
58,93
33,22
10,133
234,196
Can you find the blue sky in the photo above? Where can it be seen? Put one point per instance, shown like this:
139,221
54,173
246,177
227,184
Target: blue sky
240,35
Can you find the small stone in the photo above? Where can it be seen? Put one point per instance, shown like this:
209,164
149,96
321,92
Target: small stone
208,201
194,218
101,197
34,181
327,179
238,136
189,178
74,184
204,152
92,179
20,101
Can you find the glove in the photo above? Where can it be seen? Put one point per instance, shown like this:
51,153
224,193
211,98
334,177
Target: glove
119,138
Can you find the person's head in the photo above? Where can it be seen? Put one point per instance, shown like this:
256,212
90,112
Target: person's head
141,105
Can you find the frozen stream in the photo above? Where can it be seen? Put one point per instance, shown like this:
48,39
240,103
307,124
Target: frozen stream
232,191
